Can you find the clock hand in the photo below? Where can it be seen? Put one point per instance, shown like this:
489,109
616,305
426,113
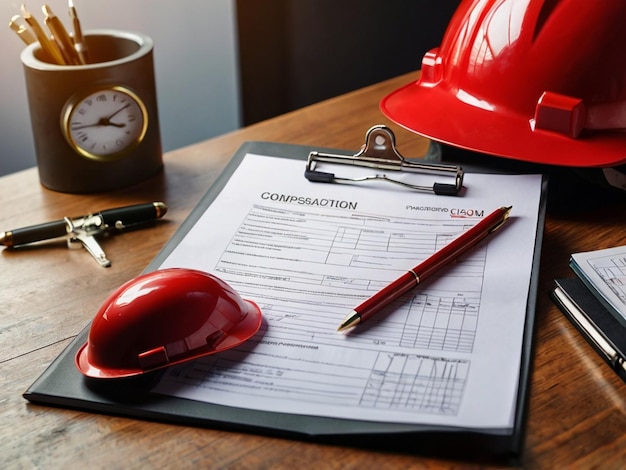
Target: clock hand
119,110
101,122
105,121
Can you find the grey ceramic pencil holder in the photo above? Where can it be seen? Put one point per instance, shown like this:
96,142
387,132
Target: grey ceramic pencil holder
95,126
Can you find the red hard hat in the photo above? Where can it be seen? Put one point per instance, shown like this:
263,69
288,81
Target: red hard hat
534,80
164,318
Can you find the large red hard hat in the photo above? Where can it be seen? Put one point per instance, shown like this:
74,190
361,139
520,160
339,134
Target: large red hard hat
536,80
164,318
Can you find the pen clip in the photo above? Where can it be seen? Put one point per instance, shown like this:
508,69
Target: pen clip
80,237
380,153
505,217
90,224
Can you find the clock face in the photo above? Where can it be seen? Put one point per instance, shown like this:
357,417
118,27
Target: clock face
106,123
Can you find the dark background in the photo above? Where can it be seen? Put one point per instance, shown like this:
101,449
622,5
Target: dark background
297,52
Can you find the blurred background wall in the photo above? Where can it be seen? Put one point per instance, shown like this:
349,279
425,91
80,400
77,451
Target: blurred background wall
297,52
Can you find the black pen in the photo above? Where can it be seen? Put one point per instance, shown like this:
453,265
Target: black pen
91,224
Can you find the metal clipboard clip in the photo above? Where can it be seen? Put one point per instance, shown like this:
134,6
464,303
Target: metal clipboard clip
379,153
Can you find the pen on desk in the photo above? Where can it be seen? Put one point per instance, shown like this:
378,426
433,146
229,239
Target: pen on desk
46,44
79,41
111,219
60,36
426,268
22,31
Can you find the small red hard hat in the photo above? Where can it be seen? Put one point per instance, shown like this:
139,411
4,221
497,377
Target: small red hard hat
164,318
533,80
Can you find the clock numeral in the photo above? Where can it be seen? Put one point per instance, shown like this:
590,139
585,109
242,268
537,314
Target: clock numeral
105,123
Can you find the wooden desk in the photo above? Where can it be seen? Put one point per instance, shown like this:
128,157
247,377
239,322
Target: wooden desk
47,295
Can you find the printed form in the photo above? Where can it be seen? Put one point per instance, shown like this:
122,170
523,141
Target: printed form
448,353
605,270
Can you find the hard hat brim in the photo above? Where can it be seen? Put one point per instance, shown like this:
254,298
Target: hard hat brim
240,333
438,114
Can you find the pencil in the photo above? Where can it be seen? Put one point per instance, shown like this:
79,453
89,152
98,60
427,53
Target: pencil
22,31
62,39
79,41
46,44
426,268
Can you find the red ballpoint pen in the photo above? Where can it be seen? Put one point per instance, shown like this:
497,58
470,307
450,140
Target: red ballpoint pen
426,268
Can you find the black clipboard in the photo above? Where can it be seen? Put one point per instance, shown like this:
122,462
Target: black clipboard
62,385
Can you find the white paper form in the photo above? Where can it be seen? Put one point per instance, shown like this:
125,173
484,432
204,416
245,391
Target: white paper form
447,354
605,272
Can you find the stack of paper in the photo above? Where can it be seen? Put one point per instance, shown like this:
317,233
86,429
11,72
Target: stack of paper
604,274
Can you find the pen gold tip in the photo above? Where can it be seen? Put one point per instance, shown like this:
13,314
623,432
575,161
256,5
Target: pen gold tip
161,209
351,320
6,238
